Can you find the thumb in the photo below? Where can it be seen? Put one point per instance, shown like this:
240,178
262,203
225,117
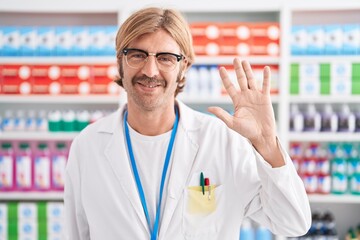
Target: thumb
222,115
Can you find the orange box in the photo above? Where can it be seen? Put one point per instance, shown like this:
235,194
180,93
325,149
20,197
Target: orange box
75,79
102,80
45,79
16,79
234,46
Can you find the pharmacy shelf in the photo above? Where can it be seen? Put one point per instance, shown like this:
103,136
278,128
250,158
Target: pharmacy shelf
70,99
43,196
325,99
253,60
69,60
323,5
332,198
324,137
27,135
324,58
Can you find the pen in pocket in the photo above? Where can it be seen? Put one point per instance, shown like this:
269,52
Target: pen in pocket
207,183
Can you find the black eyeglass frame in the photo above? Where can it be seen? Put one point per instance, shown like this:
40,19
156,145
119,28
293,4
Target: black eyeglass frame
179,57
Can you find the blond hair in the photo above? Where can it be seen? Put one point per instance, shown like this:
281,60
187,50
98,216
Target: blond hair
150,20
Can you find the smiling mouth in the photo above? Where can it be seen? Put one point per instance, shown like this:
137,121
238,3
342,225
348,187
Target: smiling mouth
149,85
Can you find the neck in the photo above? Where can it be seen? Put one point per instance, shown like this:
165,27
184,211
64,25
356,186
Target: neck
151,123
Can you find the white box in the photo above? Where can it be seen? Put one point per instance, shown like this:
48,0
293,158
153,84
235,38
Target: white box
27,211
54,210
46,41
310,87
309,70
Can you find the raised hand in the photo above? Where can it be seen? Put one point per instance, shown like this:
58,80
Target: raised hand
253,112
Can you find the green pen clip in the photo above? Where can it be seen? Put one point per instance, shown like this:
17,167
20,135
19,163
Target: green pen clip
202,182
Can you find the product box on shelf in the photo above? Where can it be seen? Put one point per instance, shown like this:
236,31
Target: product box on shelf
333,39
102,39
46,38
45,79
28,40
10,41
16,79
315,40
102,79
351,39
81,40
64,41
299,39
74,79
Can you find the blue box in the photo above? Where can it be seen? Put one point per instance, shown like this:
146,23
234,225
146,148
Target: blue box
81,41
333,39
315,40
11,41
46,41
351,39
64,41
28,41
298,40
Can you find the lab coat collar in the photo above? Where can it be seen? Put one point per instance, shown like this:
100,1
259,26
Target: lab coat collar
184,153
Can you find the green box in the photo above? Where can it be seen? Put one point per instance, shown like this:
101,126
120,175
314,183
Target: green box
325,70
355,70
294,70
355,88
324,88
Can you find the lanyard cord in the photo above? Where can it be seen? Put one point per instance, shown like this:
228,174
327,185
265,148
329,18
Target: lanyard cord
154,232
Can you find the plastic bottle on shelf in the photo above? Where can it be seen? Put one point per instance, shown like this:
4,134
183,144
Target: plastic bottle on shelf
312,119
215,81
20,121
59,158
68,121
30,121
247,230
23,167
329,119
357,119
296,119
346,119
8,121
6,167
330,226
82,119
204,81
42,167
42,124
54,121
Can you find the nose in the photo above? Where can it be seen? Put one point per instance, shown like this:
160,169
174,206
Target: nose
150,68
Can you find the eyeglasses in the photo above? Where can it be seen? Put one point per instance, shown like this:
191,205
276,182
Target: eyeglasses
137,58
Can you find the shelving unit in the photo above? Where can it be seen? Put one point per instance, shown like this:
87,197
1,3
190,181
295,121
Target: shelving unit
39,12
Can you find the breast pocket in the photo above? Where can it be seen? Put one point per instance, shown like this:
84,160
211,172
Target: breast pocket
202,212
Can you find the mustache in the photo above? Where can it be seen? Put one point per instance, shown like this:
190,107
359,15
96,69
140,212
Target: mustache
148,80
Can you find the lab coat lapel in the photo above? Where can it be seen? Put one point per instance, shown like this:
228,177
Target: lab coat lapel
116,154
185,150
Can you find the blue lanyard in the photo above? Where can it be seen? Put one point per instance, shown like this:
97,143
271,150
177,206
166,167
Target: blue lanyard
154,232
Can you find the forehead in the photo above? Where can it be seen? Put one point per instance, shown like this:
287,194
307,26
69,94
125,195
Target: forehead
159,41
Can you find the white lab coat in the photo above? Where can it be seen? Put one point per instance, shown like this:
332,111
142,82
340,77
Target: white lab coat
102,202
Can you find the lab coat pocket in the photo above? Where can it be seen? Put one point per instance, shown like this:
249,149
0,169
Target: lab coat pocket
201,211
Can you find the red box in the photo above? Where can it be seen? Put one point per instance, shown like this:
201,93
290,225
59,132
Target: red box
236,30
75,79
204,46
45,79
16,79
208,30
103,77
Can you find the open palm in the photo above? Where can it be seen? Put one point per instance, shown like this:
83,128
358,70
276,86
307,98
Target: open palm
253,112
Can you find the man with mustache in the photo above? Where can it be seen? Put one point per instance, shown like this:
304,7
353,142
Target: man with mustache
156,169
